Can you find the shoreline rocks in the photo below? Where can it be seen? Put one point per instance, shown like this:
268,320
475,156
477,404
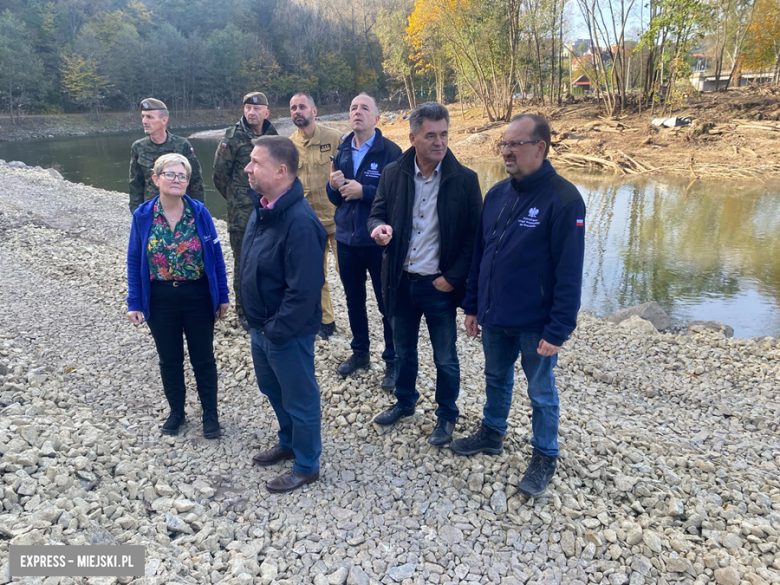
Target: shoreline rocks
668,474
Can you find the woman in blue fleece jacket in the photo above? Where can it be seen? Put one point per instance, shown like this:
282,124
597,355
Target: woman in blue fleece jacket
176,282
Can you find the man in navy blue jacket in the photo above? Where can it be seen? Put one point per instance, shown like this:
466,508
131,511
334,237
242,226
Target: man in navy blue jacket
356,171
524,290
281,281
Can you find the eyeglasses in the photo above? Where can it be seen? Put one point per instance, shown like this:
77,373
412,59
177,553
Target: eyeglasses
515,143
173,176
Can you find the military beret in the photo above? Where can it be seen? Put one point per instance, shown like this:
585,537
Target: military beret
256,98
152,104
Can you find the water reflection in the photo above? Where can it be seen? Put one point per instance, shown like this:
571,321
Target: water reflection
708,253
712,252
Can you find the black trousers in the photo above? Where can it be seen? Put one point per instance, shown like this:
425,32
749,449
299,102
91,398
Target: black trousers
184,308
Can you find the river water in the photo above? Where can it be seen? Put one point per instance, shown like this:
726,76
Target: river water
712,252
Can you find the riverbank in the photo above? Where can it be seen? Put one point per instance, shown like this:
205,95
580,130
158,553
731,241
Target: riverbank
34,127
668,474
732,135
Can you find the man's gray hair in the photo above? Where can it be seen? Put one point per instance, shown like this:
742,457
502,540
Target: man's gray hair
427,111
541,129
281,150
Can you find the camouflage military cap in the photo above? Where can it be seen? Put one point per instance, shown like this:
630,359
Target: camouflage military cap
152,104
256,98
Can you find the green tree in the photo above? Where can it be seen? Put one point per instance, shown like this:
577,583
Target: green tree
398,67
22,79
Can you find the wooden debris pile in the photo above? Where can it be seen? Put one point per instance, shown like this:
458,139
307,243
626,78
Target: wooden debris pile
740,125
620,163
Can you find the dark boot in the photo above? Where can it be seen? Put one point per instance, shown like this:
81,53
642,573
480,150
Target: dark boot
442,433
485,440
388,382
326,330
175,420
175,394
357,361
206,379
539,473
211,424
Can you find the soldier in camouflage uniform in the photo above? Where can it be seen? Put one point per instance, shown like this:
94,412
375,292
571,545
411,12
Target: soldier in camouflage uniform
231,181
158,141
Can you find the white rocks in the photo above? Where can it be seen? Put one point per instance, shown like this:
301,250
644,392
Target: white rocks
47,449
357,576
702,326
667,473
124,468
727,576
634,535
625,483
568,542
732,541
163,489
652,541
679,565
268,571
651,312
637,324
498,502
176,524
338,577
402,572
451,534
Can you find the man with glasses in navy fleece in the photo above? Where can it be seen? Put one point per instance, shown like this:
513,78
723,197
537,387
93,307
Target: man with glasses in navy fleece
524,290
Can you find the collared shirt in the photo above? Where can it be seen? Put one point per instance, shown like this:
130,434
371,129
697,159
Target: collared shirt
270,205
358,154
174,254
423,255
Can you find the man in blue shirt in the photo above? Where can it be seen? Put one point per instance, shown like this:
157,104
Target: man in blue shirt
524,290
359,163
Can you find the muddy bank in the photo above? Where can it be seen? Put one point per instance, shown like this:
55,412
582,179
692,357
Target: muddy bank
733,135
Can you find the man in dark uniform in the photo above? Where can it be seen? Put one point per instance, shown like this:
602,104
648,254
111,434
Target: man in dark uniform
230,179
158,141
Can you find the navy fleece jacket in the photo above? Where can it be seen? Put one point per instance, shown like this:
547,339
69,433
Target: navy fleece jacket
526,274
351,216
281,267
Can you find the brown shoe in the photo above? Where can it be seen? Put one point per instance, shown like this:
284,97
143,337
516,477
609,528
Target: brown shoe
273,455
290,481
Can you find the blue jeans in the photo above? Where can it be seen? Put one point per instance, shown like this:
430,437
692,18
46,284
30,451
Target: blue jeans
501,351
354,262
415,299
285,374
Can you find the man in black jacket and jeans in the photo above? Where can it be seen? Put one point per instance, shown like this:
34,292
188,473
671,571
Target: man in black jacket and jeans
426,212
281,280
361,158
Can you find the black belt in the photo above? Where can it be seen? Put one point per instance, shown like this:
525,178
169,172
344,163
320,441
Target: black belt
414,277
177,283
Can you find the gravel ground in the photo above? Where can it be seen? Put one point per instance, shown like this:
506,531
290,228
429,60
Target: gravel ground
668,474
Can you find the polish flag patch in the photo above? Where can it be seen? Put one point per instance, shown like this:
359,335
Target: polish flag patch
580,222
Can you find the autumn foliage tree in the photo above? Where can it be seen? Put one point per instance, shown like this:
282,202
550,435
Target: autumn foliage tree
82,82
762,51
477,38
